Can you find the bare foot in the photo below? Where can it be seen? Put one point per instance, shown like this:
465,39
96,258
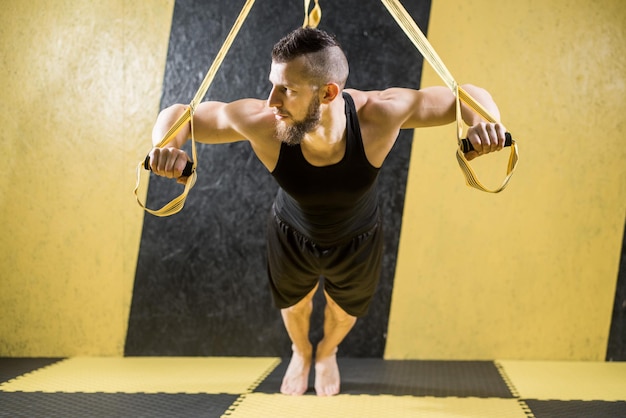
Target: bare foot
296,380
327,380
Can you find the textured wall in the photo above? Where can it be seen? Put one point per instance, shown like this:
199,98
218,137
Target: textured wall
80,83
201,286
529,273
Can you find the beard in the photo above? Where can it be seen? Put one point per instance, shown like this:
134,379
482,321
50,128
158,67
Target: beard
293,134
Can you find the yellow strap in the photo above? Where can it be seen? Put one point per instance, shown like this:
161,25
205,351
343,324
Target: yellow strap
312,19
471,179
418,39
177,203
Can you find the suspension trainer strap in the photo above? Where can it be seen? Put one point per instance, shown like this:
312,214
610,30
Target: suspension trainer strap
177,203
418,39
312,19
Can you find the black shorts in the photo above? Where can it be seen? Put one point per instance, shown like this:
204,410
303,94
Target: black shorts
351,269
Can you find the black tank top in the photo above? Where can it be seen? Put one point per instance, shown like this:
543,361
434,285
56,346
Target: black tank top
333,203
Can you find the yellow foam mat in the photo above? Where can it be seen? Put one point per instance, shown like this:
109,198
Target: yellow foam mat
229,375
281,406
567,380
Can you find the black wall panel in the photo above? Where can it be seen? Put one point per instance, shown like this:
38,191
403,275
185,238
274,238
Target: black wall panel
201,285
616,349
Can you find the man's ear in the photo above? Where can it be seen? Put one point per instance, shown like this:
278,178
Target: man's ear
329,92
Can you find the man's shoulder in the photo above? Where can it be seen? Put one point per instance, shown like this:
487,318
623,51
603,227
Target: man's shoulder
248,107
249,113
371,105
247,118
359,97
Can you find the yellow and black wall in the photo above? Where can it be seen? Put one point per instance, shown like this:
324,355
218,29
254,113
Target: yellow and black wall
212,297
531,273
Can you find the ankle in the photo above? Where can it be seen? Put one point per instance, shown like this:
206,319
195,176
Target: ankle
305,352
322,352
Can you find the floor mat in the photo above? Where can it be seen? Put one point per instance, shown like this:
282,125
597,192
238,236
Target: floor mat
577,409
10,368
234,375
243,387
409,377
37,404
587,381
341,406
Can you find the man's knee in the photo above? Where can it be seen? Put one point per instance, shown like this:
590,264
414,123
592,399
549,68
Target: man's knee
338,313
304,305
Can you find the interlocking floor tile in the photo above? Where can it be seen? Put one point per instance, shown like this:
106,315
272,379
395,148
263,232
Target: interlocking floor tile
12,367
146,375
262,405
107,405
577,409
409,377
545,380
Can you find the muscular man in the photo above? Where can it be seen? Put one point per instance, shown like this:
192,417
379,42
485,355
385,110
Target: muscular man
324,146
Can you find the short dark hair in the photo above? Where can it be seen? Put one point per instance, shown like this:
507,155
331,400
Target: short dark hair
328,62
302,41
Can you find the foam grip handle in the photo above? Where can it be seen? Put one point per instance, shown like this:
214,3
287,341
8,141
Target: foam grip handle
466,145
186,172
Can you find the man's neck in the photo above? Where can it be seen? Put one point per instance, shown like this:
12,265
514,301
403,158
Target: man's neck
326,144
332,126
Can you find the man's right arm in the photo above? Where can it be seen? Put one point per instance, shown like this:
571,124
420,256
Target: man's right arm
214,123
167,117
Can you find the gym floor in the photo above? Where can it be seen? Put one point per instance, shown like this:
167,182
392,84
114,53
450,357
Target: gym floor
248,387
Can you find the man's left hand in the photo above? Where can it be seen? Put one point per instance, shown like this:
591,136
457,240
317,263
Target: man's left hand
485,138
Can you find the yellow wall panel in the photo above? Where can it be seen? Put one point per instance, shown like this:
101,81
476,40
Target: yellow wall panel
80,84
529,273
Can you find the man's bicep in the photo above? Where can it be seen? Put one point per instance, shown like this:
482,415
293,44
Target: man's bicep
431,106
215,123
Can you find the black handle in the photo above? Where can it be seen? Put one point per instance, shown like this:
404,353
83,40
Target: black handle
186,172
466,145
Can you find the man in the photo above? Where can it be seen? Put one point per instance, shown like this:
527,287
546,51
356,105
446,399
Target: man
324,146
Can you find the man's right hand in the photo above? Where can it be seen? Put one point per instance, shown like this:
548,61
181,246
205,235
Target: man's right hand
169,162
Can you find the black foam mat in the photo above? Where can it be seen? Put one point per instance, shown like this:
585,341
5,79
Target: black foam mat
408,377
37,404
577,409
12,367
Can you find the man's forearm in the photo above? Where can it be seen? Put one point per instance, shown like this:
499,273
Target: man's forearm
167,117
483,97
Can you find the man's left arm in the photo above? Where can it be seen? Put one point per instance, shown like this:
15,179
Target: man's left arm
485,137
434,106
